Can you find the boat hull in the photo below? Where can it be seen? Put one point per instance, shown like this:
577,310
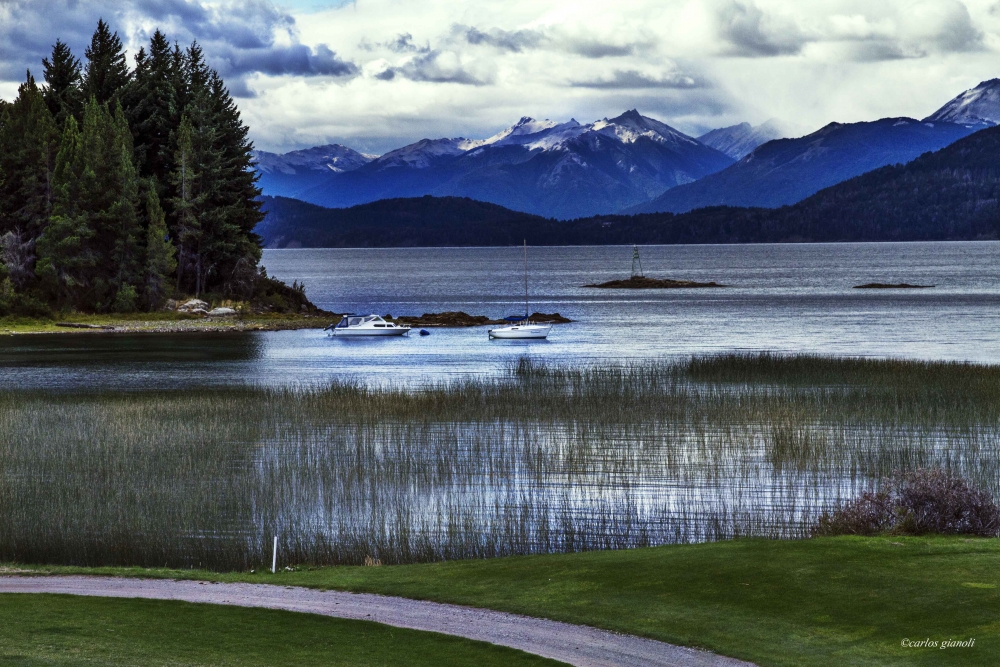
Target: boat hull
362,333
521,332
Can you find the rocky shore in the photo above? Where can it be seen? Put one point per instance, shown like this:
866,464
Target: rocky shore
641,282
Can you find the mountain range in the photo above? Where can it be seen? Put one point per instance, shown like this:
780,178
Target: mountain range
951,194
555,169
786,171
630,163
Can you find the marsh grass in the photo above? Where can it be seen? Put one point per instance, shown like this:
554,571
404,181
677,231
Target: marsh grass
539,459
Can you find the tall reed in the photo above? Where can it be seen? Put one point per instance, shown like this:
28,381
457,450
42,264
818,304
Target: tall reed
540,459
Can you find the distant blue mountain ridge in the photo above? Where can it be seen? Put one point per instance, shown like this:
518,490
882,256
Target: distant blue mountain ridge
630,163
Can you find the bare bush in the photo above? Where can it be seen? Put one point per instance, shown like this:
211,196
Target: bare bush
916,503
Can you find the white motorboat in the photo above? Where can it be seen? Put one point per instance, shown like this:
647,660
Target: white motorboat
366,325
521,327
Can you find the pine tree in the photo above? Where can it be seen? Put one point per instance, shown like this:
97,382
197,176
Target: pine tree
152,110
64,257
107,73
63,94
187,205
126,260
160,260
238,196
28,145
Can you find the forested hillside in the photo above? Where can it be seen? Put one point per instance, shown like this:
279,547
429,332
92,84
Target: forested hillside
120,186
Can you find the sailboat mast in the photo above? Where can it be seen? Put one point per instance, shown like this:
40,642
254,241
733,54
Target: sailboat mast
525,277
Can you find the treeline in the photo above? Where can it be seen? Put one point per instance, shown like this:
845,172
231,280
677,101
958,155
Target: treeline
120,187
949,195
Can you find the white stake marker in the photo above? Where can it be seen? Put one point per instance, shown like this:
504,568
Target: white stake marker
274,558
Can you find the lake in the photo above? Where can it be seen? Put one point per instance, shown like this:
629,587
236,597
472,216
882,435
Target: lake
783,297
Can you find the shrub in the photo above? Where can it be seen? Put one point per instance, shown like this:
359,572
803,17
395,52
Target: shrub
916,503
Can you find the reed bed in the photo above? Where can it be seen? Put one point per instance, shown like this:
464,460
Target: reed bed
539,459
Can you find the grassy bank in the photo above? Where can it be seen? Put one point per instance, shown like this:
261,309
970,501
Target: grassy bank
157,322
538,460
824,601
67,630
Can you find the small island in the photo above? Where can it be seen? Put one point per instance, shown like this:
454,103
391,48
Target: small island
461,319
891,286
643,282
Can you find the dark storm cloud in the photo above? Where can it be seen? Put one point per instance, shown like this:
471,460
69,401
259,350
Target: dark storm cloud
749,32
298,60
631,79
514,41
239,38
517,41
592,48
427,67
403,43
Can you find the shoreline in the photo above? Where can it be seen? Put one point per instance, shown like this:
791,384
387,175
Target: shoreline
179,323
91,324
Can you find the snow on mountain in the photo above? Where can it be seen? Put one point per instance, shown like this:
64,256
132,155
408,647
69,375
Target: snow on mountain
540,166
631,125
977,107
332,157
527,131
737,141
422,154
289,174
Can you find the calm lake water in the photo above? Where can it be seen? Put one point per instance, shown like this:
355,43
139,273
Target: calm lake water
788,297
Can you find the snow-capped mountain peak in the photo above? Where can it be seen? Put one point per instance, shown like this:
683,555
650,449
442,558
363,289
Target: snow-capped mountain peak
632,125
419,155
332,157
533,134
979,106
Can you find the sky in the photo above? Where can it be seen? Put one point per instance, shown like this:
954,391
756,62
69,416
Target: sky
378,74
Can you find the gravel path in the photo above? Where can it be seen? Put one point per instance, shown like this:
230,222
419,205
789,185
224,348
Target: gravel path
573,644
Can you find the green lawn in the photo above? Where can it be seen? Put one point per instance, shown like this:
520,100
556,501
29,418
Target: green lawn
68,630
830,601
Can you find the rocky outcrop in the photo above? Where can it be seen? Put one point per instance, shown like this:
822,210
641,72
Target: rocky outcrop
640,282
461,319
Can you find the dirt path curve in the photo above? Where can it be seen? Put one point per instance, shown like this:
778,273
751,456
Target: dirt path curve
573,644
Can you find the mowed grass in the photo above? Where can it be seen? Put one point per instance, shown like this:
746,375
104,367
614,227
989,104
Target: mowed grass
823,601
68,630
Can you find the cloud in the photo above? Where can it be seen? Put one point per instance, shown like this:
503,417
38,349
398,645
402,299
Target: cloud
431,66
403,43
293,60
750,32
633,80
552,38
239,38
514,41
942,25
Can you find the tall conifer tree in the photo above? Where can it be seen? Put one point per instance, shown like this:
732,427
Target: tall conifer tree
64,255
160,252
28,146
106,73
63,94
126,260
152,111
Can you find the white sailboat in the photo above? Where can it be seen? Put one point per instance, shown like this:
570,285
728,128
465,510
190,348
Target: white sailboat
521,327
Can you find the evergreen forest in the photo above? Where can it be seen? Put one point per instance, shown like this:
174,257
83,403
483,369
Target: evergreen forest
121,187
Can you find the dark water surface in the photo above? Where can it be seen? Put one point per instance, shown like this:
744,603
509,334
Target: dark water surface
788,297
